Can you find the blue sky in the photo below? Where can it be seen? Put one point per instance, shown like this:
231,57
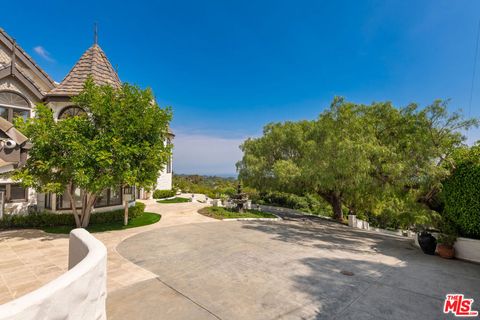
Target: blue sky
229,67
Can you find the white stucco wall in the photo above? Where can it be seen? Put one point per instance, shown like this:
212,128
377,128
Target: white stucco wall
164,181
78,294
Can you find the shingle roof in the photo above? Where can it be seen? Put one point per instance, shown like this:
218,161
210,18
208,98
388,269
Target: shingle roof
12,132
93,62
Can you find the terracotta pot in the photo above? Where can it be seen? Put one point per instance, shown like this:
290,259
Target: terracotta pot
444,251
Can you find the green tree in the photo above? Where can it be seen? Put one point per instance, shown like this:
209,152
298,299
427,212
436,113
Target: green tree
357,156
119,141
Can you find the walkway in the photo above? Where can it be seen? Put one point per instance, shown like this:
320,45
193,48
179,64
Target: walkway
32,258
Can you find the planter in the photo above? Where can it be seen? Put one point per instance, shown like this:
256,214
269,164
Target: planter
467,249
445,251
427,243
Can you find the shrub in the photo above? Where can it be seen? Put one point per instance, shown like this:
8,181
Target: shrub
308,203
50,219
160,194
460,192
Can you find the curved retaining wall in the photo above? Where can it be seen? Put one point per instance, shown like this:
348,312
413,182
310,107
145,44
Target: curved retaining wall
78,294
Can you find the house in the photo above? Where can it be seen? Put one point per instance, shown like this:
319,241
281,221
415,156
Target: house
23,84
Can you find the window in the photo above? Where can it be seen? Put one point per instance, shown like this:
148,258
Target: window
102,199
13,105
14,192
71,111
109,197
115,197
63,200
4,112
13,99
17,192
48,200
25,114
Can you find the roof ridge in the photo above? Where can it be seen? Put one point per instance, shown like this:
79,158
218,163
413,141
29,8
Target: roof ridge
17,47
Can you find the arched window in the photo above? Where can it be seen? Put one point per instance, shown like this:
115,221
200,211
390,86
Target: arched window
71,111
13,105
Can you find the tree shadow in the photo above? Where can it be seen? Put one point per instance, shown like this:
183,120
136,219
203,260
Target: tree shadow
29,234
353,274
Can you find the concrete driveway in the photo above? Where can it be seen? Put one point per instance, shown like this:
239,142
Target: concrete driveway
297,269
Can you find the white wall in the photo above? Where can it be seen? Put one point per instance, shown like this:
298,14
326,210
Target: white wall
78,294
467,249
164,181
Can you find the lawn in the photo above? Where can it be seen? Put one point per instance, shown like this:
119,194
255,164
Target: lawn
223,213
174,200
144,219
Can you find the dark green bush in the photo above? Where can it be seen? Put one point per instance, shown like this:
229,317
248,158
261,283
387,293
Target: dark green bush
308,203
160,194
50,219
461,192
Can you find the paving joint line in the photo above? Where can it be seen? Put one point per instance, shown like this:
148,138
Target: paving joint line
188,298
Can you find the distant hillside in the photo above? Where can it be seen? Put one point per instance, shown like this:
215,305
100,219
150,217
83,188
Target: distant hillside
212,186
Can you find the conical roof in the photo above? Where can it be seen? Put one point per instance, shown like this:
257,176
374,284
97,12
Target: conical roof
93,62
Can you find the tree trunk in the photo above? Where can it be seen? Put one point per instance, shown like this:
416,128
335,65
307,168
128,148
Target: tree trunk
337,208
125,218
335,201
89,200
71,195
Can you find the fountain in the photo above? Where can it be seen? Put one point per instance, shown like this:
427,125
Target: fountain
239,199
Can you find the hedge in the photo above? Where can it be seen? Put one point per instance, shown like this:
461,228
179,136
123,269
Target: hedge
462,198
49,219
160,194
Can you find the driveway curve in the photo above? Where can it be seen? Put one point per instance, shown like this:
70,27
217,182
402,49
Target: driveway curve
294,269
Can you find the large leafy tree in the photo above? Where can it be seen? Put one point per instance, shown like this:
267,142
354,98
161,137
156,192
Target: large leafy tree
358,157
119,141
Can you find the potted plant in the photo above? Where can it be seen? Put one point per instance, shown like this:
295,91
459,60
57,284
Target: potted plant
427,242
445,245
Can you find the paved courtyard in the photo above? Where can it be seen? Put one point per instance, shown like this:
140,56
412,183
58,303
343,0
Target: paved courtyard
189,266
31,258
294,269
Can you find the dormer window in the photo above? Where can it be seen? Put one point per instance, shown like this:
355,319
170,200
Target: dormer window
13,105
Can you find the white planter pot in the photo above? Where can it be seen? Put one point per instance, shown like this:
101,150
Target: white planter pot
467,249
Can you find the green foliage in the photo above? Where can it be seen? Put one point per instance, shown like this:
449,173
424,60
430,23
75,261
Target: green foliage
461,192
309,203
224,213
174,200
160,194
211,186
359,158
119,141
446,239
49,219
143,219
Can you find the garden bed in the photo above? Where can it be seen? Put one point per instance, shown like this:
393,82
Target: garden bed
174,200
221,213
143,219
